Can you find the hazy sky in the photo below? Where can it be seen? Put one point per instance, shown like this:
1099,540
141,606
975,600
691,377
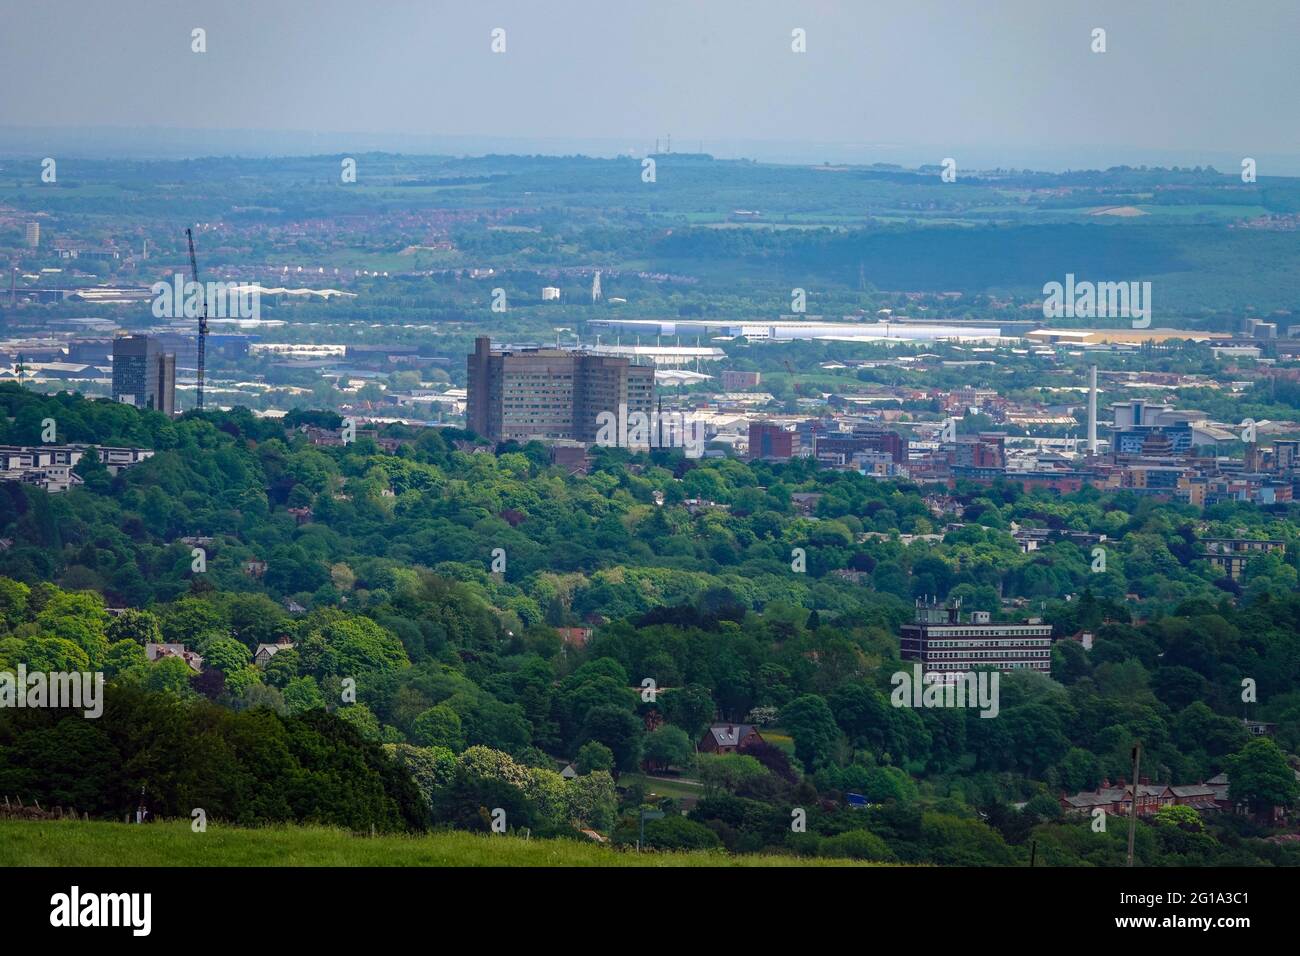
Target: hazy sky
897,80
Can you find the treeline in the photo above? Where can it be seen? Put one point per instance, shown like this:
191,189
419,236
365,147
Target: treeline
174,756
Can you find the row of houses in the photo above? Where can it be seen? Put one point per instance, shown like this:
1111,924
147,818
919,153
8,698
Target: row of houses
1117,800
261,656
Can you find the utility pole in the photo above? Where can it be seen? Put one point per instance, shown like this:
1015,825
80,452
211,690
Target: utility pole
1132,810
647,815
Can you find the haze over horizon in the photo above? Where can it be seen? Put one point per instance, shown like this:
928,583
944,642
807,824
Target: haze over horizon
993,86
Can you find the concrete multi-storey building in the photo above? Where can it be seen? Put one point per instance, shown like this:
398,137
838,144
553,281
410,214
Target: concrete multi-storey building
1230,555
1149,429
944,643
143,374
51,466
840,448
1286,455
551,394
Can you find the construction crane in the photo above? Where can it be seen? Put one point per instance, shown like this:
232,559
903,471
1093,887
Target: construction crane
203,319
793,384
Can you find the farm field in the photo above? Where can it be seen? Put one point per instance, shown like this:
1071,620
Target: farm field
69,843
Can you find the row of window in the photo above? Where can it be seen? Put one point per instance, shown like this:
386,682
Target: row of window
1014,666
986,655
993,631
1027,642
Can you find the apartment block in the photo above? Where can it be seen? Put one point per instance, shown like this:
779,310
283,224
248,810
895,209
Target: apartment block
1230,555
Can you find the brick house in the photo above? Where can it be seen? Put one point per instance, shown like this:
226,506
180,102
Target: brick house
156,652
1116,800
729,738
575,636
264,652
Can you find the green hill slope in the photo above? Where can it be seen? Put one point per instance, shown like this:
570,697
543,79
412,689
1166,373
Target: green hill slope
68,843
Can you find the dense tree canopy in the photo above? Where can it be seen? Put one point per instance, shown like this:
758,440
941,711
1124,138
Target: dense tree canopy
428,666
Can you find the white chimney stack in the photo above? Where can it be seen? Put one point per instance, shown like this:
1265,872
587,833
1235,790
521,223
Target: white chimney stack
1092,411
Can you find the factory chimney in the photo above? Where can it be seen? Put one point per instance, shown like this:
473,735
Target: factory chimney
1092,410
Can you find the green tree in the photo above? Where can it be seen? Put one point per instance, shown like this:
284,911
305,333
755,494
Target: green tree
302,694
13,602
667,746
690,708
344,645
362,718
170,674
1183,817
728,773
1259,776
432,768
78,617
812,725
227,655
617,729
241,680
593,756
132,625
591,800
439,726
123,655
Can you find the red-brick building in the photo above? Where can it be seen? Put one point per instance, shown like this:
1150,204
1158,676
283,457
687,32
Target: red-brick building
770,441
575,636
729,738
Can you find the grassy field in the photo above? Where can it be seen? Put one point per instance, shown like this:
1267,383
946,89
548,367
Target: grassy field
661,787
69,843
778,737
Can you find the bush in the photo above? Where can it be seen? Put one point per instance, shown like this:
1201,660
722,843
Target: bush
672,832
855,845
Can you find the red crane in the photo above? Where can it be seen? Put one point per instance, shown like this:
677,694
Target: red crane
793,384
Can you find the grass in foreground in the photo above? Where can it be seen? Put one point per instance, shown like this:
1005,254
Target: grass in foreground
70,843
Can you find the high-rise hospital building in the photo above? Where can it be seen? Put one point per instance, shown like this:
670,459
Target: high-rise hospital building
551,394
